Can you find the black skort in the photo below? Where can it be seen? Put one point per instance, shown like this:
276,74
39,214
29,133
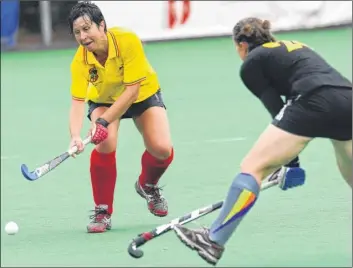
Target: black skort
325,113
135,109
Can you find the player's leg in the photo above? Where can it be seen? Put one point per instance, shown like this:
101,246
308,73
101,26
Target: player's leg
288,135
341,131
152,122
103,174
343,151
274,148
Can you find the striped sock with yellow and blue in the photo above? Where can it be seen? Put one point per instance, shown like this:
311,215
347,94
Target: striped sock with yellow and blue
241,197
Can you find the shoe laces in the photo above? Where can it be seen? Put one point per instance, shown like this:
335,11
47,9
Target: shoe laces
99,214
154,191
203,230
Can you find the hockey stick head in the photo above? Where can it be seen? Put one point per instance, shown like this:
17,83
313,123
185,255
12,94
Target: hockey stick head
133,248
44,169
50,165
31,176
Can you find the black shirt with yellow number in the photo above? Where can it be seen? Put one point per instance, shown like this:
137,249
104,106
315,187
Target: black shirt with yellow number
289,69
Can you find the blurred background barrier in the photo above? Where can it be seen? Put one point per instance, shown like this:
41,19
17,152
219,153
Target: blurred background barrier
164,20
43,24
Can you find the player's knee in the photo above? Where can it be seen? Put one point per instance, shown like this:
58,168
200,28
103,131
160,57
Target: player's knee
161,151
107,146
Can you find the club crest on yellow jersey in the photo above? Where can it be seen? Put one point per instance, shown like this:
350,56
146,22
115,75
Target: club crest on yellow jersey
93,75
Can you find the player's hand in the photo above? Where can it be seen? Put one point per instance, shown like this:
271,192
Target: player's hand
289,177
77,141
99,131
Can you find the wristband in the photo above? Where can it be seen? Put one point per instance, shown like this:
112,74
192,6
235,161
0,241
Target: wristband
102,122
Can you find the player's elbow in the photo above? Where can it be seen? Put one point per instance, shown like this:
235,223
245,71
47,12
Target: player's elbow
134,91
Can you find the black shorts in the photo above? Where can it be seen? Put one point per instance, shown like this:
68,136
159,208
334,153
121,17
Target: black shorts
135,109
324,113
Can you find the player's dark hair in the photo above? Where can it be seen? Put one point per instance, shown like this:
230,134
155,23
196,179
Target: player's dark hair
88,9
253,31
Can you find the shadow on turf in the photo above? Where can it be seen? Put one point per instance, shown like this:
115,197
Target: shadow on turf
138,228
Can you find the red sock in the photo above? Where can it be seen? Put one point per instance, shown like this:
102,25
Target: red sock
153,168
103,178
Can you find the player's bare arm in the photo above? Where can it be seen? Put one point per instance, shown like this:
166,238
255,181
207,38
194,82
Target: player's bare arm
76,117
120,106
77,112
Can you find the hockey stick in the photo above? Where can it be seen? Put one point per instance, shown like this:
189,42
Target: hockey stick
141,239
50,165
